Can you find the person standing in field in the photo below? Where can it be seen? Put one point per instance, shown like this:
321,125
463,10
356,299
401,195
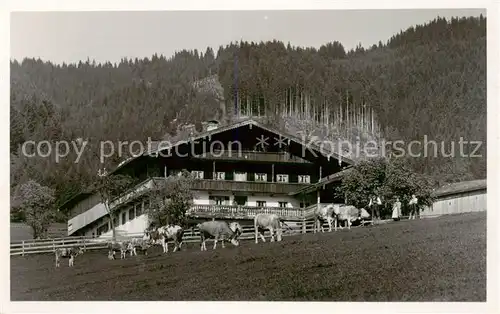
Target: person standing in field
396,209
375,204
414,207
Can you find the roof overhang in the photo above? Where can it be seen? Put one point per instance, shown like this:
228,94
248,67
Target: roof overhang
335,177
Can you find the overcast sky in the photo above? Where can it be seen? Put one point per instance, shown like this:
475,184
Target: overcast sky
109,36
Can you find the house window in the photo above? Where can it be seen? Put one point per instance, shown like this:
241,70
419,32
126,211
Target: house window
261,203
138,209
240,176
219,175
219,200
304,179
261,177
124,217
283,204
282,178
240,200
131,213
197,174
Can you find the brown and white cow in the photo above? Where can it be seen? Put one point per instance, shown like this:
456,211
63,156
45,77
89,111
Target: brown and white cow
70,253
163,234
271,222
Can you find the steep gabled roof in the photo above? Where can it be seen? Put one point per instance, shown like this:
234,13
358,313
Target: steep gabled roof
161,146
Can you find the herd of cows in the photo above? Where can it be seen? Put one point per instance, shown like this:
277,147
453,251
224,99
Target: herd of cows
219,231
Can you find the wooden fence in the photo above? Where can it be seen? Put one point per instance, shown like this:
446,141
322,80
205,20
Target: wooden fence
190,236
89,243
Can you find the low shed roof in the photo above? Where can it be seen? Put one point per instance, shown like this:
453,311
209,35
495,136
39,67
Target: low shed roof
460,187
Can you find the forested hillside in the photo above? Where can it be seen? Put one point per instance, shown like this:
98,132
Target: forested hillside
427,80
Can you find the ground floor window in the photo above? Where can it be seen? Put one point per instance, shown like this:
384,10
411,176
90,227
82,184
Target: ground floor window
240,200
261,203
102,229
138,209
283,204
219,200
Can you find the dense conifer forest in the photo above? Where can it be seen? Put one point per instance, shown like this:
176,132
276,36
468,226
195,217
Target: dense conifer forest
427,80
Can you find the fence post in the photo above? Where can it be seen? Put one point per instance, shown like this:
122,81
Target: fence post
84,245
54,245
23,249
304,225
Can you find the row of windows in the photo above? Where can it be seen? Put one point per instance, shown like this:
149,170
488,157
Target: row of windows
242,200
242,176
121,219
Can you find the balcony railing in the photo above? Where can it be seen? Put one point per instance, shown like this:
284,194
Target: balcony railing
248,186
243,212
252,156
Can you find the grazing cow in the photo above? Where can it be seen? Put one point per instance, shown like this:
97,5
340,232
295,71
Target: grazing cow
69,253
142,244
122,246
153,236
325,213
271,222
349,214
171,232
218,230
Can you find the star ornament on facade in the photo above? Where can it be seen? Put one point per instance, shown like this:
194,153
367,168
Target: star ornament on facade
262,141
280,141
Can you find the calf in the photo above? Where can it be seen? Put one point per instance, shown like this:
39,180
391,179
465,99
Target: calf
270,222
122,246
142,244
69,253
218,230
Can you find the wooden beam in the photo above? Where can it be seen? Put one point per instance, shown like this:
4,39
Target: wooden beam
319,179
317,208
165,172
272,173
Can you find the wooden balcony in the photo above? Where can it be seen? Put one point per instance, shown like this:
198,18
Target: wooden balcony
248,186
237,155
243,212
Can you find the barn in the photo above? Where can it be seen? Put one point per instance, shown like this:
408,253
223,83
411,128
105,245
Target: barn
460,197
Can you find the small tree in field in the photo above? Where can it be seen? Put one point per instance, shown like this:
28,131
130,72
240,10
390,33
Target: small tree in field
36,202
109,187
387,179
401,181
170,200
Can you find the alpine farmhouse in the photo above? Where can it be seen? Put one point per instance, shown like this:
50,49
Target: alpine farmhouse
241,169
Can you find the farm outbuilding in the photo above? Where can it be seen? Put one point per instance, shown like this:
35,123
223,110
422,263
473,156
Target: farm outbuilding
461,197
